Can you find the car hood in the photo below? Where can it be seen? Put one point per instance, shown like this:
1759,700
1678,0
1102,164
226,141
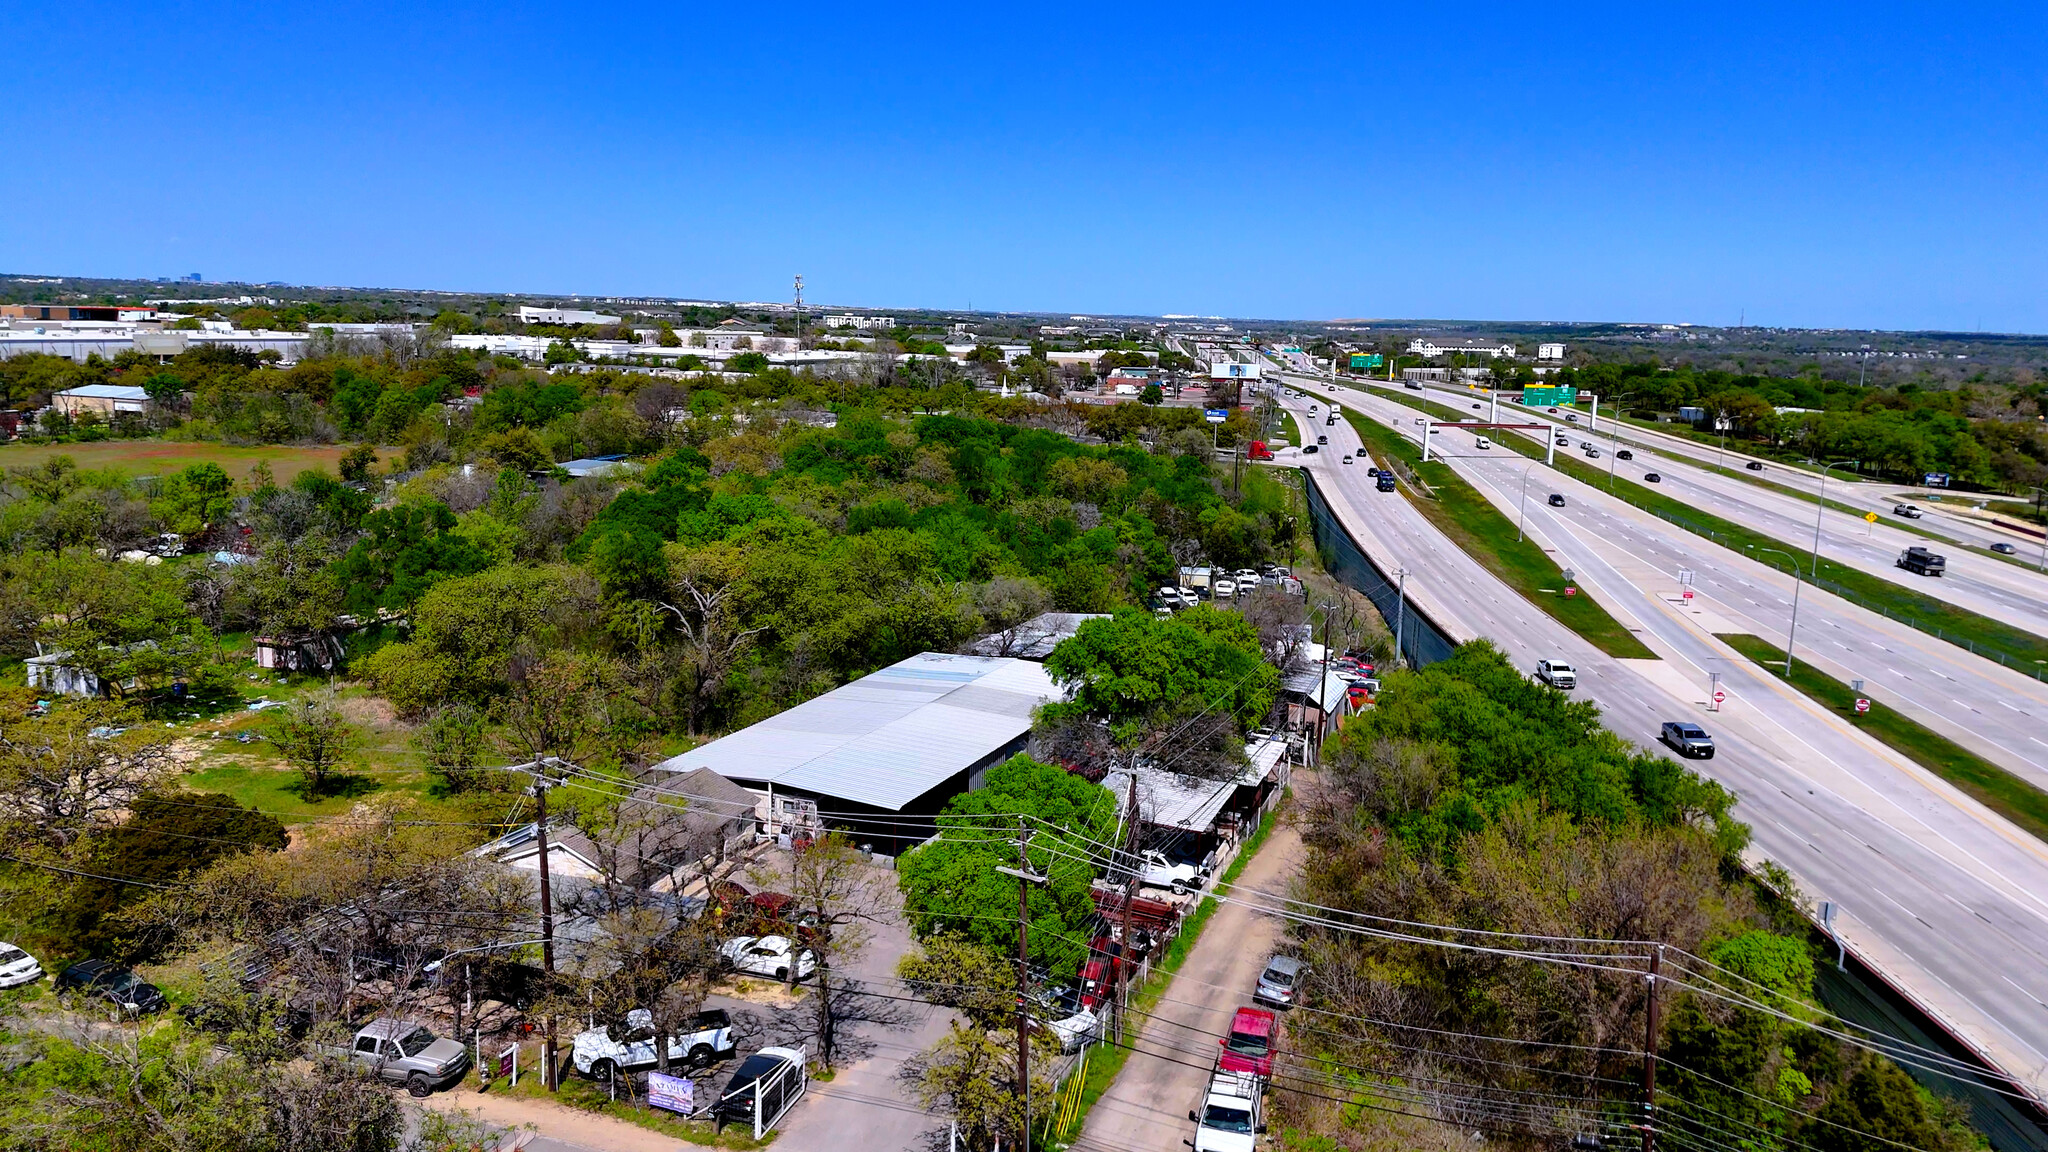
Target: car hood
442,1051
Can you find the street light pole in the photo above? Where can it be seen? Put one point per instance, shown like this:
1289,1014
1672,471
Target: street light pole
1793,631
2038,493
1400,612
1820,510
1522,513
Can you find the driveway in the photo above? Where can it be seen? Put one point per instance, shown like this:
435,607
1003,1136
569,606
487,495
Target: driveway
1168,1070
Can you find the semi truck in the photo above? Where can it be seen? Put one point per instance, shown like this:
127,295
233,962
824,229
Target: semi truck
1259,451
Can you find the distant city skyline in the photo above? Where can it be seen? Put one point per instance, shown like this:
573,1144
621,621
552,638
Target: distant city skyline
1868,167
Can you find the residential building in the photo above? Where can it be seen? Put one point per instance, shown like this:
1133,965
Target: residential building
1447,347
1550,351
665,835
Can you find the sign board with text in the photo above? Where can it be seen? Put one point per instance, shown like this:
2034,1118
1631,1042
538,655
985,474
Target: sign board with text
1934,480
671,1092
1367,360
1547,395
1215,415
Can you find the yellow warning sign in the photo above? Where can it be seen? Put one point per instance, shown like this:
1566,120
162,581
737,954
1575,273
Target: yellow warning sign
1870,516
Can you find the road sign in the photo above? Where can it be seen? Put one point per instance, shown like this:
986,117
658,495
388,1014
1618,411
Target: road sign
1719,695
1862,705
1215,415
1870,516
1688,594
1570,591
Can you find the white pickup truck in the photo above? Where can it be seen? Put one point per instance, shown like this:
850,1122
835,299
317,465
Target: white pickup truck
1557,674
1232,1114
1156,871
603,1051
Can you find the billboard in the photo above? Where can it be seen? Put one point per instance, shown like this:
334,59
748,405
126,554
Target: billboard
1549,394
1215,415
1367,360
1934,480
1232,370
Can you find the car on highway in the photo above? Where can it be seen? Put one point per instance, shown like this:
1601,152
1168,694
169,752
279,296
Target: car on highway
1347,459
1385,482
1475,407
1411,385
1572,416
1557,499
1688,739
1332,419
1592,453
1564,441
1482,442
772,956
1322,439
1280,983
1557,674
17,967
1754,466
1308,450
1624,454
108,981
1553,408
1651,477
1906,510
2003,548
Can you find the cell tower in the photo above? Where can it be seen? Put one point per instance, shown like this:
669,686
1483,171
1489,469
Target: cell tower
799,291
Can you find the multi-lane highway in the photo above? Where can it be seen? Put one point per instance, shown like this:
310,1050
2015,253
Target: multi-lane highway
1940,893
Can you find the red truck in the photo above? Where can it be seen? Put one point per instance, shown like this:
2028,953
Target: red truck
1259,451
1249,1046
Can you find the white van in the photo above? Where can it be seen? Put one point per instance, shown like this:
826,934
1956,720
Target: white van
1482,441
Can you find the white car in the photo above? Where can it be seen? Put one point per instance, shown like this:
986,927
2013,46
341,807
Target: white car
17,967
1248,579
772,956
1225,589
599,1053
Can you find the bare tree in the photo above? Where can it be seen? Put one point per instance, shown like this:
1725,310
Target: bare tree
1007,605
838,896
713,640
65,773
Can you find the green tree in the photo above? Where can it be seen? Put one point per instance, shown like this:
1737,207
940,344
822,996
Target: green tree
357,462
316,739
1151,395
195,499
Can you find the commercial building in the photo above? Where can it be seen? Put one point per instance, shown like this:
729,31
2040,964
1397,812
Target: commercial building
1427,348
894,744
861,323
1550,351
528,314
103,400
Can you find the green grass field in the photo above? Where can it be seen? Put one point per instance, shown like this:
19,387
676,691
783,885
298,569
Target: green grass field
163,457
1488,536
1994,787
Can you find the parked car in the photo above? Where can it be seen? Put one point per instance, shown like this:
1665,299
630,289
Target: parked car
1688,739
1248,1046
1232,1115
108,981
406,1053
772,956
1557,674
2002,548
17,967
1225,589
1248,578
1754,466
1280,983
1624,454
775,1075
1557,499
1651,477
1156,871
603,1051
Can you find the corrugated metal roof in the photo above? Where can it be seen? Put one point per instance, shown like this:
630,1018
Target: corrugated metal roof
889,737
107,392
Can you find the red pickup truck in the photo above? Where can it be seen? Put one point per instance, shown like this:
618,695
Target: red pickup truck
1249,1046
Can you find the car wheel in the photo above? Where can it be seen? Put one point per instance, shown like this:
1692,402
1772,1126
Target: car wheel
418,1085
1179,888
604,1071
782,974
701,1055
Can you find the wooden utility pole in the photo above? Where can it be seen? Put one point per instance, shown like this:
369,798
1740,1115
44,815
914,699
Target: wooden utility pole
1650,1055
1123,970
1024,974
550,1074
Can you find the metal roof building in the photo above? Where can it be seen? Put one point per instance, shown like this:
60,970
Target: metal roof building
903,739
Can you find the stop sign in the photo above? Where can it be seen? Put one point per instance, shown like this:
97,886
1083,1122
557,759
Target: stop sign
1688,593
1719,696
1862,705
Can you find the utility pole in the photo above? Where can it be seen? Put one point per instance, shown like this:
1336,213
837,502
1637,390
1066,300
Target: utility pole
1123,969
550,1075
1025,879
1650,1055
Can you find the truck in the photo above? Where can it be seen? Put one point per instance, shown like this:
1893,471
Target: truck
1557,674
605,1051
405,1052
1156,871
1921,562
1384,481
1258,451
1232,1114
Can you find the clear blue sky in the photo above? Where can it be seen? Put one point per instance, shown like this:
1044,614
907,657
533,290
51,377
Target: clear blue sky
1864,166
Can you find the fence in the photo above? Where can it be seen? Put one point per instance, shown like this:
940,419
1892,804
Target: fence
1422,642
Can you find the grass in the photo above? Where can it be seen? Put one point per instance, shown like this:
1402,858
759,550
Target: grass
1103,1067
1994,787
275,790
1488,536
1980,634
1292,429
162,457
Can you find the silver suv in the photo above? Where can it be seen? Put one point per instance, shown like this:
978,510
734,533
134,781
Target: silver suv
1280,983
1688,739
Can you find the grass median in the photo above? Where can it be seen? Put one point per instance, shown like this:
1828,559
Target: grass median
1475,525
1980,634
1991,785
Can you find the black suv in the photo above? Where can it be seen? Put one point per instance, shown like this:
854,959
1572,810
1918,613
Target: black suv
114,984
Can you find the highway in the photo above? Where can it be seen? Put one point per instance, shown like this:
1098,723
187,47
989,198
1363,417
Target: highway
1939,893
1989,709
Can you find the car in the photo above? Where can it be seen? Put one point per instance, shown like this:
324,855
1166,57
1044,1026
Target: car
1592,453
1476,407
1224,589
1232,1116
1156,871
604,1051
1572,416
1651,478
1906,510
1557,499
1347,459
1385,483
1557,674
1322,439
1170,598
1688,739
1248,578
1411,385
1624,454
1280,983
17,967
108,981
1419,421
775,1076
1312,409
1564,441
1482,442
1553,408
773,956
1248,1046
1308,449
405,1052
1332,419
2002,548
1754,466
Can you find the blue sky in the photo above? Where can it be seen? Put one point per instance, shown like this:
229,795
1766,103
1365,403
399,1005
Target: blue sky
1856,166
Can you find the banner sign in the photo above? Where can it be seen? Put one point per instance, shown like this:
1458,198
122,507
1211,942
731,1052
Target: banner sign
1215,415
671,1092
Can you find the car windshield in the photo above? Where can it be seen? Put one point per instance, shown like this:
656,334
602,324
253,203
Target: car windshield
415,1042
1279,978
9,954
1246,1044
1227,1119
1690,732
122,981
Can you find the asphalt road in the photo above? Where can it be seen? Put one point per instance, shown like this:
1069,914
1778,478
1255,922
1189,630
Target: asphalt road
1937,891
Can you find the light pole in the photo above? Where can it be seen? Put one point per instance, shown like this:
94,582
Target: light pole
1400,612
1819,511
2038,493
1794,629
1522,512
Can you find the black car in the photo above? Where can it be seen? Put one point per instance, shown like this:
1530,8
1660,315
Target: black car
775,1074
1557,499
2003,548
1754,466
1308,450
1651,477
1624,454
108,981
1322,439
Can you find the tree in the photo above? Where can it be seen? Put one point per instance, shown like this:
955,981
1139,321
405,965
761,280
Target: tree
706,615
1151,395
64,775
454,743
970,1075
841,896
315,738
127,624
357,462
966,976
195,499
